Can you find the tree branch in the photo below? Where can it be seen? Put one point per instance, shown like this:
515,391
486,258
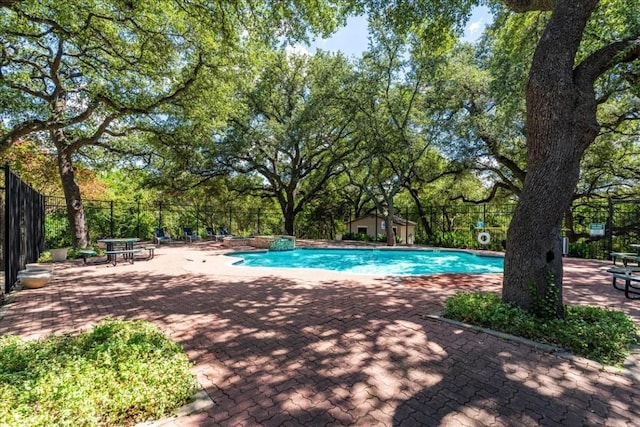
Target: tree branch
521,6
607,57
487,199
8,3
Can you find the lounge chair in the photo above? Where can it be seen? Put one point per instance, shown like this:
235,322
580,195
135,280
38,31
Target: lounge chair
159,236
190,235
211,233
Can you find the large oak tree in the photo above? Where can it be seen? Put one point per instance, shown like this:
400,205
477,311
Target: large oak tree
290,129
76,76
561,123
398,117
81,74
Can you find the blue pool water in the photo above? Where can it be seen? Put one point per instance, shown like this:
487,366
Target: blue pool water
376,261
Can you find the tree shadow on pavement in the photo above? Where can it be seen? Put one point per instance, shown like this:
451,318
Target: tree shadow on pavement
277,351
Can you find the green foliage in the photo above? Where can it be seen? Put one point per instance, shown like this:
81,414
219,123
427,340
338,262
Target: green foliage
452,239
57,233
545,306
599,334
119,373
460,239
45,257
359,237
363,237
580,249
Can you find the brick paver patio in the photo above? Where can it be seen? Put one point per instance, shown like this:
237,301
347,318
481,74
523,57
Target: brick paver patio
310,348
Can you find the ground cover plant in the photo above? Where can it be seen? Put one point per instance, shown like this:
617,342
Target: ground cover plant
595,333
117,374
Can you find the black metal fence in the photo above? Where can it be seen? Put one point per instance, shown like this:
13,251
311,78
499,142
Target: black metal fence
138,219
23,227
454,225
450,226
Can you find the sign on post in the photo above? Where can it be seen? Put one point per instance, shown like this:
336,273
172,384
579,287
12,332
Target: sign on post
596,230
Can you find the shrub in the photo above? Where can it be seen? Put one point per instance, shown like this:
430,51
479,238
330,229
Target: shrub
580,249
45,257
595,333
119,373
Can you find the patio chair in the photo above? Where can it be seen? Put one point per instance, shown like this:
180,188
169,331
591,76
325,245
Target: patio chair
190,235
211,232
159,236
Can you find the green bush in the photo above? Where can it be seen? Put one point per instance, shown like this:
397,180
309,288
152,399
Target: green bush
580,249
119,373
45,257
462,239
595,333
360,237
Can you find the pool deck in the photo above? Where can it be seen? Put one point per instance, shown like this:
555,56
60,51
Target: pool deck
313,348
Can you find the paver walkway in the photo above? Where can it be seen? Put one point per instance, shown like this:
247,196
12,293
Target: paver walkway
309,348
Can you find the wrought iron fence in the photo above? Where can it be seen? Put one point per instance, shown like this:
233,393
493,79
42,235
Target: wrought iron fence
448,226
136,219
23,227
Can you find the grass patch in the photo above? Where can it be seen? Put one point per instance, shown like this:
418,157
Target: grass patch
598,334
119,373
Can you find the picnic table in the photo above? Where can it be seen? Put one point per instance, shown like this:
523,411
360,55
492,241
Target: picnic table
630,278
120,246
627,256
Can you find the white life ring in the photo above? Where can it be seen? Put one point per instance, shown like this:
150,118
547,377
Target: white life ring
484,238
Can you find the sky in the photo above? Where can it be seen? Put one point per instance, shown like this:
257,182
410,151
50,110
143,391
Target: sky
352,39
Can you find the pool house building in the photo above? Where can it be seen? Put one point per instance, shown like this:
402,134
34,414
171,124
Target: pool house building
373,225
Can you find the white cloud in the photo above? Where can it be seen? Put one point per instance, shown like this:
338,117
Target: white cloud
474,27
480,18
297,49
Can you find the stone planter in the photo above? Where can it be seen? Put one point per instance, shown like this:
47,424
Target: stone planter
34,279
40,267
58,255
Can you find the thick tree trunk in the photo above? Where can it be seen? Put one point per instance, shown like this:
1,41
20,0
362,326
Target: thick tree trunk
421,212
561,124
286,200
534,254
289,220
391,237
289,212
75,207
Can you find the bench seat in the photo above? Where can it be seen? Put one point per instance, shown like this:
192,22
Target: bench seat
87,253
625,257
151,250
127,254
631,283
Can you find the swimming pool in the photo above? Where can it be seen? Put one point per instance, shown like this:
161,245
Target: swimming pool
376,261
